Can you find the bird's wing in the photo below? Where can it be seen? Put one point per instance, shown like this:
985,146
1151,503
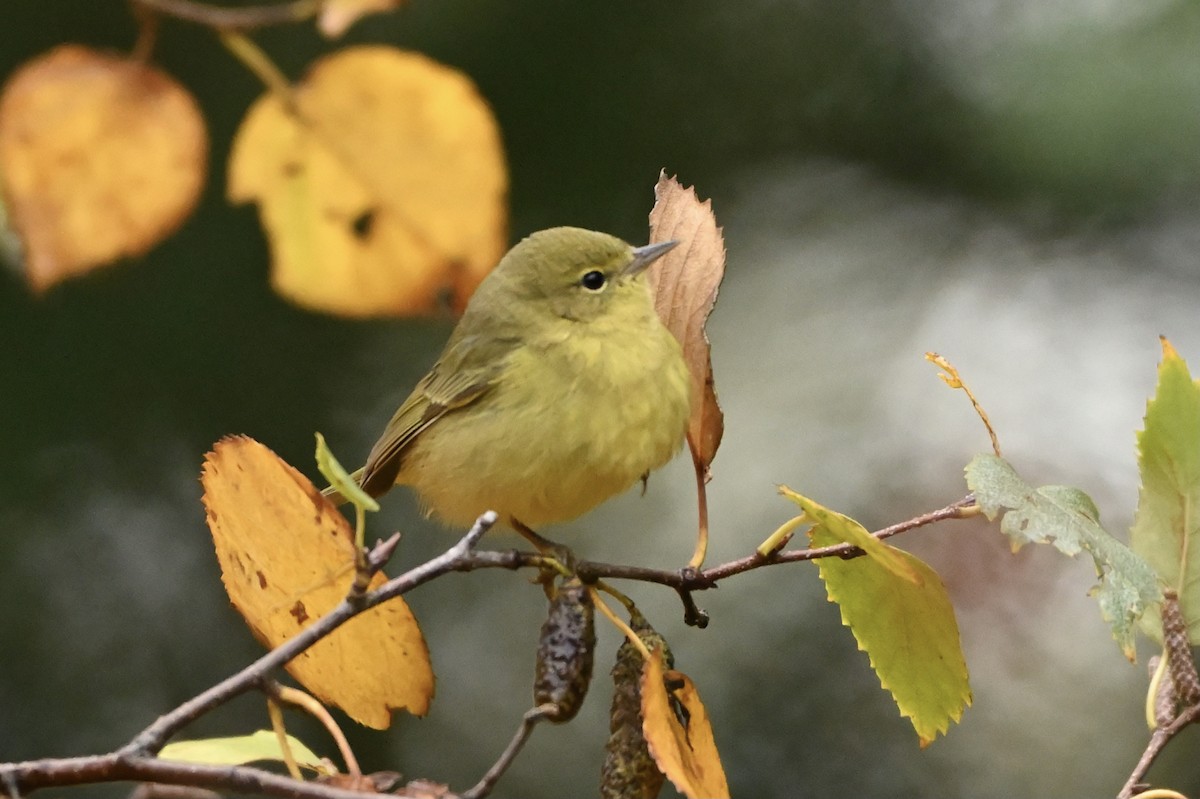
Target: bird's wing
459,378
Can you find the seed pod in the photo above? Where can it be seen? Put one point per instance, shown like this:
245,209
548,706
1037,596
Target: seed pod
565,653
629,770
1180,664
1179,651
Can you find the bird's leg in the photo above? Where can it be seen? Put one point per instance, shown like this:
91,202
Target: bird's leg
561,553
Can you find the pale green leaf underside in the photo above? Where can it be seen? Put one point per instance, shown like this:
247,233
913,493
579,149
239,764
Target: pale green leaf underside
1166,528
239,750
340,479
1067,518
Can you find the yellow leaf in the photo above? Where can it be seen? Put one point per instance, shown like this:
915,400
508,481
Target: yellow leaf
383,191
337,16
678,734
286,558
685,284
101,158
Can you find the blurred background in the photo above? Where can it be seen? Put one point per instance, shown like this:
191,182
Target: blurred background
1012,183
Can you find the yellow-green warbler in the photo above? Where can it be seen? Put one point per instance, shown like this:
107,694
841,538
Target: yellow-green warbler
558,388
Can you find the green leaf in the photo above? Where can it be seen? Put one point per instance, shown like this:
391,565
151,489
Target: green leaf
1067,518
1166,528
239,750
901,616
340,479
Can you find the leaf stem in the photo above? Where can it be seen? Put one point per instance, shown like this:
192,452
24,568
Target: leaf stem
701,551
255,59
312,707
275,712
619,623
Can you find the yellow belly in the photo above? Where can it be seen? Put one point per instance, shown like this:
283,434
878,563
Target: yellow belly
584,421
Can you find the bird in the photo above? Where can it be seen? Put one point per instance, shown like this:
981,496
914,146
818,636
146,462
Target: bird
559,388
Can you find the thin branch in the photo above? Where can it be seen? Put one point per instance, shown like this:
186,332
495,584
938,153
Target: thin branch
235,18
1158,740
150,740
493,775
135,760
687,580
115,767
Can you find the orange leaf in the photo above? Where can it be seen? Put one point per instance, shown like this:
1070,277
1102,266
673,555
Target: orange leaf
101,158
286,558
382,191
686,754
685,285
337,16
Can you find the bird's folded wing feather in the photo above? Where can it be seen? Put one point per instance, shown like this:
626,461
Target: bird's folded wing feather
459,378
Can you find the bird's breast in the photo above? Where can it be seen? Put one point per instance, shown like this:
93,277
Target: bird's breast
571,421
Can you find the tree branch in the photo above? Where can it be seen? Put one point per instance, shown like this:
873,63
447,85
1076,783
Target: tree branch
136,762
116,767
237,17
1158,740
690,580
150,740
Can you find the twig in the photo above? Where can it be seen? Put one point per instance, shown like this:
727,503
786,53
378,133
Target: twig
688,580
136,762
493,775
150,740
158,790
1158,739
236,18
115,767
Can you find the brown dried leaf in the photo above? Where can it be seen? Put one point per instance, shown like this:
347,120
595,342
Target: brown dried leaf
384,194
678,733
286,558
337,16
685,284
101,157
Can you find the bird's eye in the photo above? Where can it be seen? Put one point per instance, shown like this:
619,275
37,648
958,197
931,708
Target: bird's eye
594,280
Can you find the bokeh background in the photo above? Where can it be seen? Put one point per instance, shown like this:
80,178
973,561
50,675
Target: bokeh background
1013,183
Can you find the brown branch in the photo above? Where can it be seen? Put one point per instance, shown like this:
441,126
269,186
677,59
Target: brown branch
150,740
235,18
136,762
116,767
502,764
689,580
1158,740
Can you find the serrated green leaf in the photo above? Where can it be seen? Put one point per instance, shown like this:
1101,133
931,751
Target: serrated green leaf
900,615
1067,518
1166,528
239,750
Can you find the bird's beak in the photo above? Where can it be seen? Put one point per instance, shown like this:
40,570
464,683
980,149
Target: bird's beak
644,256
